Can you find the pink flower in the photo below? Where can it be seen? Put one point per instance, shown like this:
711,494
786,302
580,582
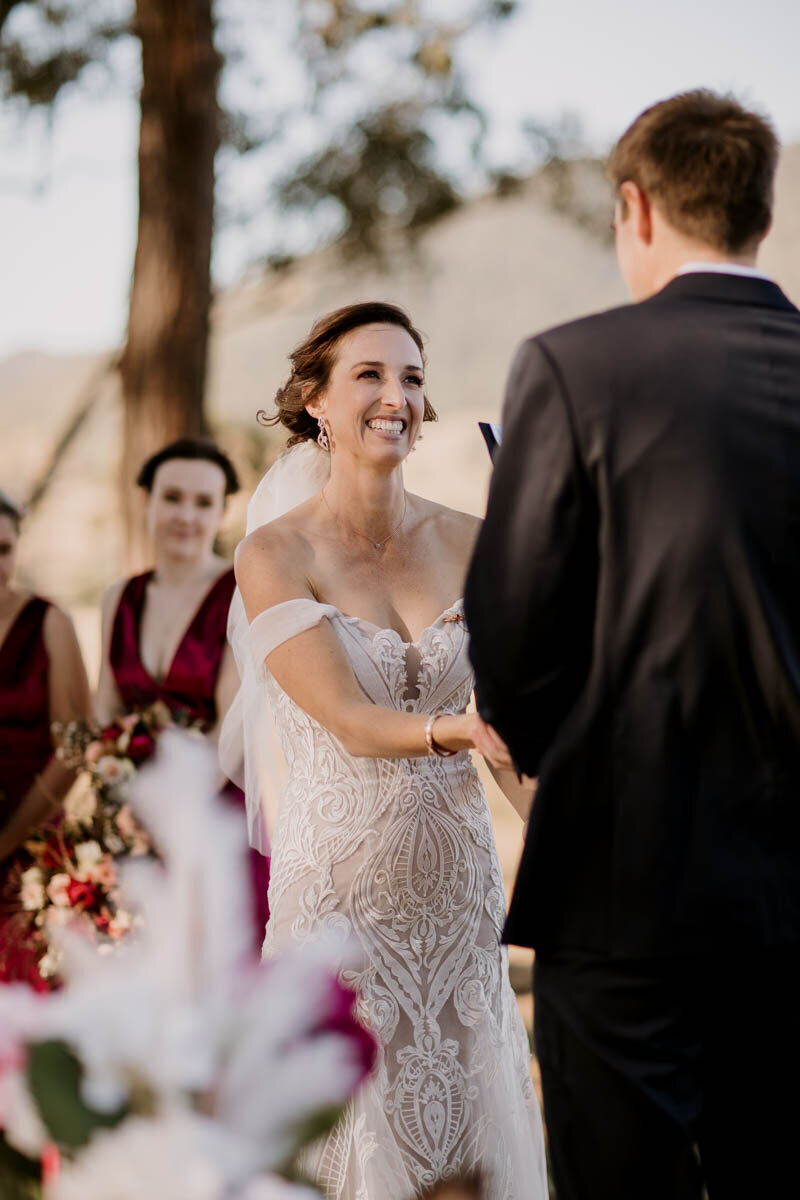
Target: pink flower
93,751
58,890
113,771
129,722
126,823
119,924
103,874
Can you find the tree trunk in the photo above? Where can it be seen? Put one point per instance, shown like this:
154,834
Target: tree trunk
163,367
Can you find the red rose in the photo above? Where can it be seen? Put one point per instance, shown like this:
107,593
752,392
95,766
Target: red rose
82,894
140,747
110,734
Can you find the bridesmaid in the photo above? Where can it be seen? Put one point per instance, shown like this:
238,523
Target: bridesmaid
42,680
164,632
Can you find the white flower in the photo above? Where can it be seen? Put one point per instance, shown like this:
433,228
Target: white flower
19,1115
80,803
57,889
87,854
48,965
32,890
57,918
114,771
177,1156
23,1017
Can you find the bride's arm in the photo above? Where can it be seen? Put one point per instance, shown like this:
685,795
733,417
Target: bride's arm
313,669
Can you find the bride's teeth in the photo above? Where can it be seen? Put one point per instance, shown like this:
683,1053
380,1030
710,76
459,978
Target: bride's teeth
386,426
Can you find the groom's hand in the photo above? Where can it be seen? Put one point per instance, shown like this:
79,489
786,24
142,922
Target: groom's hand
489,743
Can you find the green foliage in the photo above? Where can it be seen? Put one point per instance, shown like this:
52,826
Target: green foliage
47,45
382,175
19,1176
374,167
54,1077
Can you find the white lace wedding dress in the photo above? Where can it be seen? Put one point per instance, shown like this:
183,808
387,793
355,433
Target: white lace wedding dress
399,856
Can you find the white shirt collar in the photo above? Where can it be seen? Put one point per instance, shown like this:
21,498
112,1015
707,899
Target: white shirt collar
722,268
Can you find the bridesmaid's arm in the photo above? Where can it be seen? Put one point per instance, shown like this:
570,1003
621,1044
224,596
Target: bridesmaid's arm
108,702
69,701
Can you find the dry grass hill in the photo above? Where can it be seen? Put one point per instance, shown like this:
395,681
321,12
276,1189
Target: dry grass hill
481,280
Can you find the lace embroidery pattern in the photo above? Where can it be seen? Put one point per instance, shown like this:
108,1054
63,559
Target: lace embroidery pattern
399,856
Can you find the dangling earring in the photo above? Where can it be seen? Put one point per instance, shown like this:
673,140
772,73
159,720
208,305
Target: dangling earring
322,436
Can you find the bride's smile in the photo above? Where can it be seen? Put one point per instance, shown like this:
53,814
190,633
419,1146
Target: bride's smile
374,401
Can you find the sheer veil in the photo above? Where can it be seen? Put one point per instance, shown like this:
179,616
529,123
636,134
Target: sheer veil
249,751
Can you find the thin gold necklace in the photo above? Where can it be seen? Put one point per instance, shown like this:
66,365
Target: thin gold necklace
376,545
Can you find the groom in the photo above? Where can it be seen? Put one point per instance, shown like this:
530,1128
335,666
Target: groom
634,607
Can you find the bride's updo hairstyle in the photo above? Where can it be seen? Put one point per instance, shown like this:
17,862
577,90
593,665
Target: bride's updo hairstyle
313,360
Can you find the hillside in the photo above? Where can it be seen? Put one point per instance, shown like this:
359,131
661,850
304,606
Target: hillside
480,280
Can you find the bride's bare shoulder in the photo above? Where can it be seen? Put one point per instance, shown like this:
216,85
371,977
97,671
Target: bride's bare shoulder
458,529
276,557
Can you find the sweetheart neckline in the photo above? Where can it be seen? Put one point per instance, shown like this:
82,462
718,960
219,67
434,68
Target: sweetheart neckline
390,628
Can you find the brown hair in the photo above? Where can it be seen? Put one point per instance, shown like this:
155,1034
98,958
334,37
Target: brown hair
707,162
193,449
9,508
313,360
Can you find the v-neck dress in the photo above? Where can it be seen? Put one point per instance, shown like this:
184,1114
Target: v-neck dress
25,749
188,687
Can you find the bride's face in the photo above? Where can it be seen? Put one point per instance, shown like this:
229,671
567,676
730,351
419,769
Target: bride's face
374,401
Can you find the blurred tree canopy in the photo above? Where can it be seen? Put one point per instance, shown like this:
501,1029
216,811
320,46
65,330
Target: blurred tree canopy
354,116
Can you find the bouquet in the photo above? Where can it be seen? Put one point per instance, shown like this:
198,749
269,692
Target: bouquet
74,876
179,1070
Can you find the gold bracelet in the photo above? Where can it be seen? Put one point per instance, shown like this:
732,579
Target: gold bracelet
433,746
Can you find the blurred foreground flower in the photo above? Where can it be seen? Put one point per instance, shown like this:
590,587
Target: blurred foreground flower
178,1070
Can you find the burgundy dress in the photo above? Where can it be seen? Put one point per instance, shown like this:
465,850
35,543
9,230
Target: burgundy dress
188,687
25,749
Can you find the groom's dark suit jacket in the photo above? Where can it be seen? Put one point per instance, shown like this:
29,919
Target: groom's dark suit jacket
634,611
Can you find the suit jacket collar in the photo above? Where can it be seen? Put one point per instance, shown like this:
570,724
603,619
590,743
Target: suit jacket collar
729,289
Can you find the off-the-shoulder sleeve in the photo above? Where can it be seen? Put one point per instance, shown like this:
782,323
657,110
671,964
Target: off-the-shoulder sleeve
276,625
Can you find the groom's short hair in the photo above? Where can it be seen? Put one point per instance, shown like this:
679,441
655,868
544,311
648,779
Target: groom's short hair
707,162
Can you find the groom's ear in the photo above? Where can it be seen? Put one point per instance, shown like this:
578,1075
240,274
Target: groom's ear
636,204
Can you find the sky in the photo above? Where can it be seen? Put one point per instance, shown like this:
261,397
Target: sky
68,201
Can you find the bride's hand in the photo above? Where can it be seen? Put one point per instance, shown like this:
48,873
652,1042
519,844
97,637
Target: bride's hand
469,731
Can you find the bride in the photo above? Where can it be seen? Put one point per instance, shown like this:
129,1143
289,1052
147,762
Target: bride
382,838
